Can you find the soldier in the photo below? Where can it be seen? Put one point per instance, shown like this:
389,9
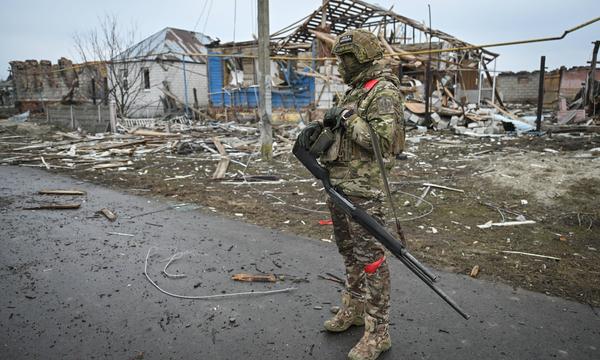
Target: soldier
373,100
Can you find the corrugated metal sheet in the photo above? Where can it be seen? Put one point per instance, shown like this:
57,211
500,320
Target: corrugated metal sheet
301,96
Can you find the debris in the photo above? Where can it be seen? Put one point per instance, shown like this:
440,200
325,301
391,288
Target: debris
53,206
326,222
474,271
530,254
45,163
205,297
108,214
427,188
61,192
20,118
490,224
174,257
443,187
144,132
254,278
178,177
120,234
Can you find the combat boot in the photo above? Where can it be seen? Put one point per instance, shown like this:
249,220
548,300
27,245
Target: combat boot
375,341
351,313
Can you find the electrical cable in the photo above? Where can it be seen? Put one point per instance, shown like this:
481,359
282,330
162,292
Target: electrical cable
201,13
207,297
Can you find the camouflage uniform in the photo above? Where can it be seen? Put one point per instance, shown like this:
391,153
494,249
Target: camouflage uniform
376,101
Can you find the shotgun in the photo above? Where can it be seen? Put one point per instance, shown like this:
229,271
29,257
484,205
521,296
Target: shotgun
372,226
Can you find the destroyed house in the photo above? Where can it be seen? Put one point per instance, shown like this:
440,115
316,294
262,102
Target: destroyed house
304,72
233,79
164,73
37,84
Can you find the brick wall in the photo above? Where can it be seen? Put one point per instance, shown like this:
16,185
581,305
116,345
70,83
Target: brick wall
519,87
36,82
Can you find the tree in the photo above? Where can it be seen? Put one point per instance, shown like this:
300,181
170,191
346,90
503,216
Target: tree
118,49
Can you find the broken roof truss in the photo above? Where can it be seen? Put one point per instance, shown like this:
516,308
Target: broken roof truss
337,16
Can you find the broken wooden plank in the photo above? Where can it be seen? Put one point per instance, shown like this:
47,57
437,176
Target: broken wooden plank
423,196
108,214
221,168
120,145
530,254
54,206
219,146
474,271
501,110
490,224
443,187
144,132
254,278
45,163
109,165
61,192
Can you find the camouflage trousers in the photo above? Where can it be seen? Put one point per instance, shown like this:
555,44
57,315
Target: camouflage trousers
359,248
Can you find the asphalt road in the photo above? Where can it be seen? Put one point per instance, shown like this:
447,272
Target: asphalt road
70,290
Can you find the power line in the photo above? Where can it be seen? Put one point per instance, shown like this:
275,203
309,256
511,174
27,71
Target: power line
207,16
201,13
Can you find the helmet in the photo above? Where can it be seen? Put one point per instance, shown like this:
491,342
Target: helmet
362,43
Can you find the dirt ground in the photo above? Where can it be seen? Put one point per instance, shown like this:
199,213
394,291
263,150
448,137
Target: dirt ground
554,181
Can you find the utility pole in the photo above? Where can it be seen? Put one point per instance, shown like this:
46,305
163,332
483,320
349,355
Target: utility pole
588,98
538,121
264,89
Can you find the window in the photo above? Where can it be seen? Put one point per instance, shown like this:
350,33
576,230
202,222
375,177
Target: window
146,78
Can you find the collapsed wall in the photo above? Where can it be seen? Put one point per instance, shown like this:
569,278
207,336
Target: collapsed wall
38,83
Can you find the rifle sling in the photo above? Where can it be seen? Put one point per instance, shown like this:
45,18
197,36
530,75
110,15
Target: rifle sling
386,186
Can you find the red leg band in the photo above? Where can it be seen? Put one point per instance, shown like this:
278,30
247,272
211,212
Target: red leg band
372,267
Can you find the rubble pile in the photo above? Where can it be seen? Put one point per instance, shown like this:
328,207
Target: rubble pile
73,150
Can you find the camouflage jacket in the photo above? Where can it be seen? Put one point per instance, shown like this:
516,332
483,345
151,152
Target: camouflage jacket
376,101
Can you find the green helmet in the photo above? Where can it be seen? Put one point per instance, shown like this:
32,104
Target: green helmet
363,44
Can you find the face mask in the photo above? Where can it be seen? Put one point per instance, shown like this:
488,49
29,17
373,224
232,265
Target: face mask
349,67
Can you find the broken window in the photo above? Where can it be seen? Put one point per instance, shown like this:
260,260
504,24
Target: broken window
146,78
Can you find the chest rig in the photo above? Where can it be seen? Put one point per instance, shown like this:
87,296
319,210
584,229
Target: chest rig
344,149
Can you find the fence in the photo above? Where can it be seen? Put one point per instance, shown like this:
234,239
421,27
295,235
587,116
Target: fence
90,118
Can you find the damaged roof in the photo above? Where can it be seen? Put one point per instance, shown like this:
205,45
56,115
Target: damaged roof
341,15
169,44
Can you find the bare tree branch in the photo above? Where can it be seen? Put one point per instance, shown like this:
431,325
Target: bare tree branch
116,47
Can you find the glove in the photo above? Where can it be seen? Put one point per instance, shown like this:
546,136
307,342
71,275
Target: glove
335,117
309,134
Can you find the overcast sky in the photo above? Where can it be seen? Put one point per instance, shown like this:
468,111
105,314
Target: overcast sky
41,29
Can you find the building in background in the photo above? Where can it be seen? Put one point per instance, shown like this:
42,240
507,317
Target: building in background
162,74
38,84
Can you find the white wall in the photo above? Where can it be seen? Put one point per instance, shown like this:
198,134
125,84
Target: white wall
329,89
148,104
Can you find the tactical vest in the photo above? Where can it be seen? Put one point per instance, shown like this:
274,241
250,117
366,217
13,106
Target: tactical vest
344,149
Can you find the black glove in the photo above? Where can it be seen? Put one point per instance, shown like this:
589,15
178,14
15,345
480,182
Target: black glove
309,134
336,116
